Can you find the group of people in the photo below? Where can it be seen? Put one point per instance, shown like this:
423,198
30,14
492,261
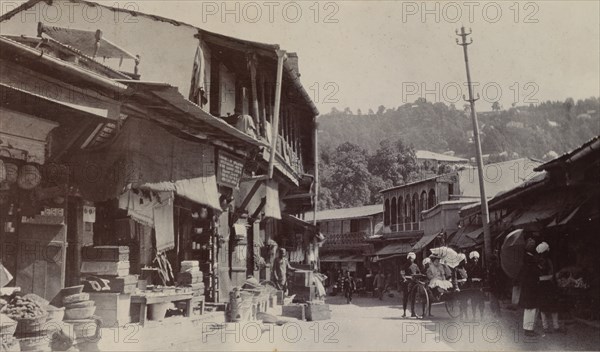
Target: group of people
539,292
442,278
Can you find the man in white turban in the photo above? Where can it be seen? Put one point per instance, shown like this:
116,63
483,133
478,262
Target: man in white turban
475,278
407,284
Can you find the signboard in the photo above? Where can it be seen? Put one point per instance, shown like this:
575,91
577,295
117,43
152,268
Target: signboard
229,169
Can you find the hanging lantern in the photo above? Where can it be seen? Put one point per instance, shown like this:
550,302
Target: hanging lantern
29,177
2,171
12,172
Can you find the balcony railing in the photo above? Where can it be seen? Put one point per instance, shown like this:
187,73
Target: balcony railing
345,238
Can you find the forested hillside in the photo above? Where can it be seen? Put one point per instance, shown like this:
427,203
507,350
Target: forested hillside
529,131
363,154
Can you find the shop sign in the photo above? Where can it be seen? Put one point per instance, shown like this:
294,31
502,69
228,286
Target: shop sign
229,169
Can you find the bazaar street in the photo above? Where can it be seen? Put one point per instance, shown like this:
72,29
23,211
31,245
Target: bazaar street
369,324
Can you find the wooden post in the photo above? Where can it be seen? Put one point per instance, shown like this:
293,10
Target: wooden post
252,64
275,128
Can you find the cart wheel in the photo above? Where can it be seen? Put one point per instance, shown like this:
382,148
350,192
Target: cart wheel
452,308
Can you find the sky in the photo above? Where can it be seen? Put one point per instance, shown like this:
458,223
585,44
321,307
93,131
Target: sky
363,54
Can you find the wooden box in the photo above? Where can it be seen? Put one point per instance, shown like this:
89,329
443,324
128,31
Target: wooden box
125,284
317,311
302,278
105,254
189,278
119,269
294,310
113,308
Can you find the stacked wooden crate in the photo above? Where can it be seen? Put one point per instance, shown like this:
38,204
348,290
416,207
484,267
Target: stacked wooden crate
191,276
105,275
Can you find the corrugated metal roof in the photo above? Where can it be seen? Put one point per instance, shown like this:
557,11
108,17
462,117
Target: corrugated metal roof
346,213
427,155
591,145
395,248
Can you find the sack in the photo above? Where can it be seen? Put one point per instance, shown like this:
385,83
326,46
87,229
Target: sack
516,295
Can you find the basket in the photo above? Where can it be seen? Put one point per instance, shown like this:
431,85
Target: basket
8,329
73,290
55,314
75,298
31,325
82,304
79,313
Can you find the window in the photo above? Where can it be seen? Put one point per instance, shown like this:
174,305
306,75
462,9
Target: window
393,212
354,225
386,213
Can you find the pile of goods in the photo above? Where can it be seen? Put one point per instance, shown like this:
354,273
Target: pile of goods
29,332
191,277
107,279
78,306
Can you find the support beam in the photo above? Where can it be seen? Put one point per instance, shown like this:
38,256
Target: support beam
275,128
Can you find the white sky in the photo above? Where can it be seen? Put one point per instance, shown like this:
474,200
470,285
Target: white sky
362,54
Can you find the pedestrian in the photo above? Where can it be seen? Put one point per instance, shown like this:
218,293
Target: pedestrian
459,279
528,281
280,268
426,264
379,284
475,283
495,276
407,283
349,287
549,299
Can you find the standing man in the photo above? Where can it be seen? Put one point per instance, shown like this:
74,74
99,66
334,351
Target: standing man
379,284
349,287
407,284
528,279
280,267
475,280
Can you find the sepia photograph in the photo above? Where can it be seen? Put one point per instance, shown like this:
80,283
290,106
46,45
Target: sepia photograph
309,175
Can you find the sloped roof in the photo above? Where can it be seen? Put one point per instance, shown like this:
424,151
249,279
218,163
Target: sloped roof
498,177
589,146
346,213
427,155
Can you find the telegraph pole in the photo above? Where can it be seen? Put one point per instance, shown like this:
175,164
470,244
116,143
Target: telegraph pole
485,217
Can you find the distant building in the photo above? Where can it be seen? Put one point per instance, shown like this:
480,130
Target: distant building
437,158
515,124
346,233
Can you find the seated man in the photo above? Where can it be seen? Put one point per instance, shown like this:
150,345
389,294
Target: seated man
437,277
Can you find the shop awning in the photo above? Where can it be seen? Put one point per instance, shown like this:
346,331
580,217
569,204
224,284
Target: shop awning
341,258
424,241
269,190
467,236
168,105
298,222
394,248
202,190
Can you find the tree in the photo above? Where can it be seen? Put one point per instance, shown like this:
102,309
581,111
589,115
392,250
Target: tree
359,112
371,112
496,106
394,161
347,111
349,176
380,110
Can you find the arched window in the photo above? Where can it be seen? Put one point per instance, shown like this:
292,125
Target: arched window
407,212
423,201
393,212
415,207
431,201
386,213
400,210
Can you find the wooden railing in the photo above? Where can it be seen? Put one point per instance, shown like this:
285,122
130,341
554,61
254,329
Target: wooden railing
410,226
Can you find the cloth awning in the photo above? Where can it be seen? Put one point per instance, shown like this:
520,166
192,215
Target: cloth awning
143,153
394,248
341,258
424,241
201,190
